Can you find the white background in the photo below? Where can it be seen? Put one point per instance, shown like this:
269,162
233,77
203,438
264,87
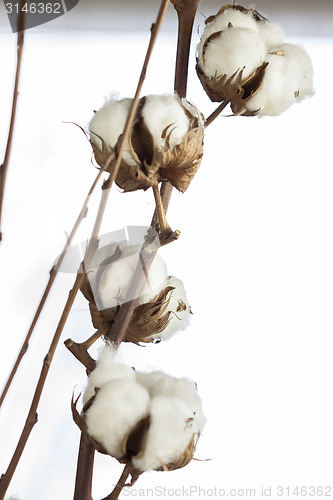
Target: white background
255,254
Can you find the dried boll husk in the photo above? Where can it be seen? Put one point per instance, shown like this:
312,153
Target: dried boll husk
148,322
234,89
149,161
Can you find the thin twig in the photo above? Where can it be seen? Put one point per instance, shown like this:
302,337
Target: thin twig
53,274
4,167
217,112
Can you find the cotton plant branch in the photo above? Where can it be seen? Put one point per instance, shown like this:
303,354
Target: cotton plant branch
21,21
92,246
186,13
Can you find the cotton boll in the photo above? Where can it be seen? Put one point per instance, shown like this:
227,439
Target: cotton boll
233,49
118,406
108,123
115,280
172,427
271,34
179,308
288,79
161,111
106,369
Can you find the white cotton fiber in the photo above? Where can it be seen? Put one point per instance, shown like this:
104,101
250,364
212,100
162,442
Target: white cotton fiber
237,18
160,384
108,123
106,369
271,34
113,280
172,426
161,111
233,49
288,79
119,405
178,319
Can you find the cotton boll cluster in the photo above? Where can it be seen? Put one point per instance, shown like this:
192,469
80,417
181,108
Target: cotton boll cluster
237,61
288,78
120,399
157,147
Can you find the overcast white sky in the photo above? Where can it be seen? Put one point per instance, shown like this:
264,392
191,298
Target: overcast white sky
255,254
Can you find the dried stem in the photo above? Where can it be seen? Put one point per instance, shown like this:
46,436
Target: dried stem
84,472
217,112
120,485
53,274
4,167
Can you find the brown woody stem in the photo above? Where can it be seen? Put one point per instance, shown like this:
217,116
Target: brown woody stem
80,352
217,112
120,485
164,226
84,473
4,167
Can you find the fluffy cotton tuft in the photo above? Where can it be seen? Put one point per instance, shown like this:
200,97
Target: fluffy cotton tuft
271,34
237,18
113,283
106,369
288,79
118,406
159,383
232,50
108,123
161,111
